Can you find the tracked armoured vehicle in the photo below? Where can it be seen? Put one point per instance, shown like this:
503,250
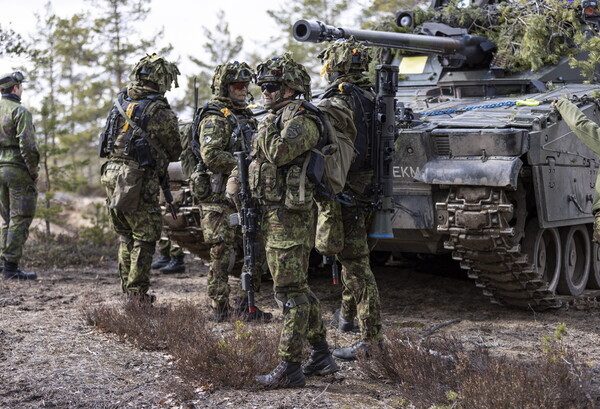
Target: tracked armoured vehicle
484,168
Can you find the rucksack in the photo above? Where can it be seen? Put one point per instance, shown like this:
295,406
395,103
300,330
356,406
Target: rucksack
364,107
332,158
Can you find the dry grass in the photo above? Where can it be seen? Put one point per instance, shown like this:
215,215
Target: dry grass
224,355
441,371
57,251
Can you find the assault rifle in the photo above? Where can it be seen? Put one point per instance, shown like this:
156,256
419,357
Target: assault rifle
248,219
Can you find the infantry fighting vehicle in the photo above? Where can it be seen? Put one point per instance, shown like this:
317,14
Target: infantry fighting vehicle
483,167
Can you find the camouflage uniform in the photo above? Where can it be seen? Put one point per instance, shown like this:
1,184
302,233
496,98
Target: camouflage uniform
19,159
344,64
284,141
136,217
217,144
589,132
167,248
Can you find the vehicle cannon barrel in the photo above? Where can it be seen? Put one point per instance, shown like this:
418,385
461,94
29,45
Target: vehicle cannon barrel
472,50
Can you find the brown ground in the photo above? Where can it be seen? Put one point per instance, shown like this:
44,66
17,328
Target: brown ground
50,358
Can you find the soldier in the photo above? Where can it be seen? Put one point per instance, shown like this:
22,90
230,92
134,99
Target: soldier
223,126
140,138
171,258
277,179
19,159
344,65
589,132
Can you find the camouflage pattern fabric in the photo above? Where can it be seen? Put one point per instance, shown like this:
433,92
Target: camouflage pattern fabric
17,136
286,220
139,230
360,292
216,148
167,248
360,289
18,198
19,159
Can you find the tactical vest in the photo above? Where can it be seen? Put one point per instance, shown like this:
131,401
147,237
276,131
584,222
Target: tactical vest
286,185
204,181
242,134
122,140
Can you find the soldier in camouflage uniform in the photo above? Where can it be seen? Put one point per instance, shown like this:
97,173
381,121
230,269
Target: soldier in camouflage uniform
344,65
223,126
277,179
19,159
140,138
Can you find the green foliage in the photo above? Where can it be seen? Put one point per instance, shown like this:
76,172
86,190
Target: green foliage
589,65
528,34
11,42
220,47
100,232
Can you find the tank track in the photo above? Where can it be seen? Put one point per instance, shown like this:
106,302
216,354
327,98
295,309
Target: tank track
486,225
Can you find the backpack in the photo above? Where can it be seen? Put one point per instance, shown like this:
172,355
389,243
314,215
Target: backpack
332,158
364,107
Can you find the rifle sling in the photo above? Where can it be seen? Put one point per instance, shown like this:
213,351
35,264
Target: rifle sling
143,134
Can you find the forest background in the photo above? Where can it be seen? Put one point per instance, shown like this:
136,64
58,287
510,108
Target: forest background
76,63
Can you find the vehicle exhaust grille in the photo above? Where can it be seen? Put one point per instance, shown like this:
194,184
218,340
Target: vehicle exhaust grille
441,144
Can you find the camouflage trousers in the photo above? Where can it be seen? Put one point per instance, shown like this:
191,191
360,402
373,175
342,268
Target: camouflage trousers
288,244
360,295
167,248
596,235
223,239
139,230
18,198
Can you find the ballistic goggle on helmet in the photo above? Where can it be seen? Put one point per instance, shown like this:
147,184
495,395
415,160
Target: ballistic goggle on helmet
11,79
286,71
155,72
345,56
230,73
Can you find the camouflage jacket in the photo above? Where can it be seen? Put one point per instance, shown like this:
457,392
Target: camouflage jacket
283,145
17,136
586,130
161,126
219,135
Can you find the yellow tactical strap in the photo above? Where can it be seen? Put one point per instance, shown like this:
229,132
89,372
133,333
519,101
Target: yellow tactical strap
528,102
128,112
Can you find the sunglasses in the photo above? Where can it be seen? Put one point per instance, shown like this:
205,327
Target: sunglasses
270,87
239,85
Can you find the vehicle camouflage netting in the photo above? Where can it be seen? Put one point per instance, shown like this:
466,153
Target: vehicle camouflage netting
529,34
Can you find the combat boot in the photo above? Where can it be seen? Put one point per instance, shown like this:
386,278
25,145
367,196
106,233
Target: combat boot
345,325
175,266
241,311
139,300
320,362
161,262
285,375
12,271
351,353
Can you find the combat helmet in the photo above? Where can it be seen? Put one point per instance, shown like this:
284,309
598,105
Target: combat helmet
227,74
11,79
345,57
287,71
155,72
